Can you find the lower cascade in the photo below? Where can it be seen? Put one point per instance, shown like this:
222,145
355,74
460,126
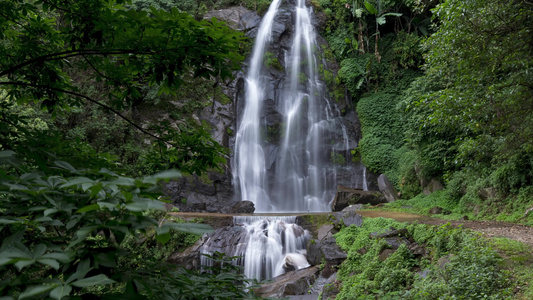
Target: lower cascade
267,247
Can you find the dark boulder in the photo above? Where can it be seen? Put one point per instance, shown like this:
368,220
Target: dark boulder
291,283
236,17
386,187
347,196
243,207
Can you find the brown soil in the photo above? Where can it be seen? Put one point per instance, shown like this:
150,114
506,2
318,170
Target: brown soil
516,232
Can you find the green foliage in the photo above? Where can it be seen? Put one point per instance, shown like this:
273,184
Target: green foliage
474,270
408,49
382,135
65,231
337,158
271,61
129,60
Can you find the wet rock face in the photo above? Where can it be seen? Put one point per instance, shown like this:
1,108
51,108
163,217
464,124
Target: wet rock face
237,17
193,194
218,194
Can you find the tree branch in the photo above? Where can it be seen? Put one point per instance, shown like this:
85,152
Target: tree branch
71,53
97,103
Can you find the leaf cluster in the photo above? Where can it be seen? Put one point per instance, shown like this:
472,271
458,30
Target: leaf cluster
63,233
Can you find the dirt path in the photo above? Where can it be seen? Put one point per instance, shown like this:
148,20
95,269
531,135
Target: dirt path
487,228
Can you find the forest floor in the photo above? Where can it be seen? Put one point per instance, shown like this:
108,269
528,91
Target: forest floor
489,229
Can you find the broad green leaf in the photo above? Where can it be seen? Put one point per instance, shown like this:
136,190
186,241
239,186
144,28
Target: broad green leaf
10,221
83,268
24,263
50,211
94,280
43,219
88,208
193,228
39,250
6,260
50,262
57,255
371,9
60,292
34,291
163,238
76,181
7,154
65,165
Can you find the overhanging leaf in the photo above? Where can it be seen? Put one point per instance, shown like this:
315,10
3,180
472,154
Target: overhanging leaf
94,280
34,291
193,228
60,292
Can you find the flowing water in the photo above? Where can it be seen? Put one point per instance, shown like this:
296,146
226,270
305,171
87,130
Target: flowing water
302,177
249,154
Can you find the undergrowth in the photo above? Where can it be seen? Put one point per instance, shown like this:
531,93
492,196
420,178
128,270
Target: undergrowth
458,264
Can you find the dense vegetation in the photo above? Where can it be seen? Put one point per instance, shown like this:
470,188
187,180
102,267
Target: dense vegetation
454,263
73,76
444,93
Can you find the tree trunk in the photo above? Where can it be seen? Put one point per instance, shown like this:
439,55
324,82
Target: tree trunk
360,37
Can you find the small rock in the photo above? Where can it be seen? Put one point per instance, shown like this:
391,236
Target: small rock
423,274
417,250
395,242
352,218
439,210
291,283
353,207
243,207
385,254
443,261
389,233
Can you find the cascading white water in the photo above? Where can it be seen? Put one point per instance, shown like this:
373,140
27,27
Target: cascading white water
271,246
249,165
302,177
274,243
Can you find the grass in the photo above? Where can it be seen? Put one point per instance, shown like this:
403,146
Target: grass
503,211
518,259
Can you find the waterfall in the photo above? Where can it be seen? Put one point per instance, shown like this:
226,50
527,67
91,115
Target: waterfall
273,245
302,176
249,165
299,175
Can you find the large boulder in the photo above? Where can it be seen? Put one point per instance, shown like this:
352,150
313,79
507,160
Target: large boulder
433,186
243,207
347,196
237,17
386,187
325,249
224,240
292,283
